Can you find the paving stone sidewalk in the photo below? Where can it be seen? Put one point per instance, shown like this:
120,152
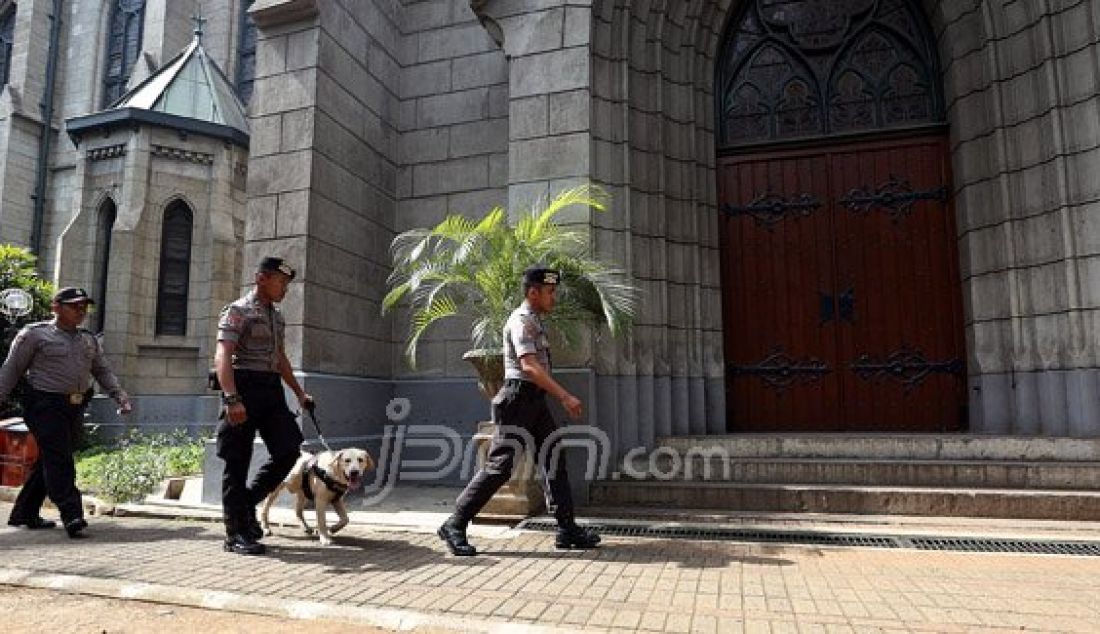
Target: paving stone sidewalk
404,580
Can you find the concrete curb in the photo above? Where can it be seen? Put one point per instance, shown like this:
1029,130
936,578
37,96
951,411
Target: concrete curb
386,618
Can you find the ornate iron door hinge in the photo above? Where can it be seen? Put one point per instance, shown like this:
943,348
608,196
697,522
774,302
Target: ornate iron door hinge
907,366
779,371
769,208
896,196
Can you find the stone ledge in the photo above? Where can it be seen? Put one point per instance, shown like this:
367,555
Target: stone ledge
268,13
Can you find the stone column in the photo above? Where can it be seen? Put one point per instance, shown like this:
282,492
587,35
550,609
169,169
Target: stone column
321,182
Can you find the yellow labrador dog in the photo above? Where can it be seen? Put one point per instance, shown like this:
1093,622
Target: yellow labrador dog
323,478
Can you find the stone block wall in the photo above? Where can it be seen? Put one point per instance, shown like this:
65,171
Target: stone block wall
143,172
453,128
1022,82
652,112
21,120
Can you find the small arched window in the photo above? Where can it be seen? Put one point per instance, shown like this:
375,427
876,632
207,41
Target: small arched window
105,223
7,36
175,269
246,54
123,45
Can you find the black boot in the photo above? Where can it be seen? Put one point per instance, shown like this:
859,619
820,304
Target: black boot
75,528
453,532
572,536
242,544
33,523
252,526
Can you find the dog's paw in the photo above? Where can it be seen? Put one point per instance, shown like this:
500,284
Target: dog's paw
268,532
336,529
307,530
326,541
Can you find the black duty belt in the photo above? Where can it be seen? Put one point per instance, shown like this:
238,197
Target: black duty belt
74,399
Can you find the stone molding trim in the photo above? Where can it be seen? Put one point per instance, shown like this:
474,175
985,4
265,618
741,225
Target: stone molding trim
268,13
183,155
108,152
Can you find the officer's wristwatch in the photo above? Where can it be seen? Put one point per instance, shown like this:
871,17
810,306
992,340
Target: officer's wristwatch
230,399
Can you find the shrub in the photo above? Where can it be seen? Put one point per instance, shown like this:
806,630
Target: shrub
132,467
17,271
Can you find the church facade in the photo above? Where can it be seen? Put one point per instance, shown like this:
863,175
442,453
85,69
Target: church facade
844,215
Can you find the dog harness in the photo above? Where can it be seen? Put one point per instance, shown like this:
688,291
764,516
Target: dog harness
338,488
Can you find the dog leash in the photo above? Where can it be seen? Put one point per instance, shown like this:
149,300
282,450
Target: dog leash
311,409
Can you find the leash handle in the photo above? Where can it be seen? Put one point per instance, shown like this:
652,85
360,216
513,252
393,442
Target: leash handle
311,408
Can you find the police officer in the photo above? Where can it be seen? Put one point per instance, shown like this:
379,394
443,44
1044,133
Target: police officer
522,414
57,358
251,364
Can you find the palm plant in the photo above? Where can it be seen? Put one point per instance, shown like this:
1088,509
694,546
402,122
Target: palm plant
472,269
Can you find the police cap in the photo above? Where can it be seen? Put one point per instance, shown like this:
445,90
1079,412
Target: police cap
72,295
540,275
276,265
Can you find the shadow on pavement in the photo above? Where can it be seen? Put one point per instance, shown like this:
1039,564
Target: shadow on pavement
105,534
353,554
686,554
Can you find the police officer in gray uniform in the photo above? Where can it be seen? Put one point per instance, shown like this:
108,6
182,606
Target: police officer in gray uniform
522,415
58,358
251,365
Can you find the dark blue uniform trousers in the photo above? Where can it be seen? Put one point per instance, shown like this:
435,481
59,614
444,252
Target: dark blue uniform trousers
264,400
55,425
522,416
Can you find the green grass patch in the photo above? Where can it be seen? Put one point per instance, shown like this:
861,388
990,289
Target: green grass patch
130,468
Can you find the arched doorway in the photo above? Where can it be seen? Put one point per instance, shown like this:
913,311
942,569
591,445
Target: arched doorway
841,293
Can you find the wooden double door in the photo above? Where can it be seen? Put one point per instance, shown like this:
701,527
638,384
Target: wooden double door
841,293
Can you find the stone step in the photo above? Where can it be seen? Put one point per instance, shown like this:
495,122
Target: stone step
876,500
1005,474
887,447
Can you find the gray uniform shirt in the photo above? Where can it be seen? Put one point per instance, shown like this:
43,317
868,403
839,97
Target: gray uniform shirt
524,334
257,330
57,360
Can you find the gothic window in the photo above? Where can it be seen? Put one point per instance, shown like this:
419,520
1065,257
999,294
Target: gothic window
246,54
7,34
175,269
105,222
123,45
803,68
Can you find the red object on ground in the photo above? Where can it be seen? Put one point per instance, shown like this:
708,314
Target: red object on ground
18,451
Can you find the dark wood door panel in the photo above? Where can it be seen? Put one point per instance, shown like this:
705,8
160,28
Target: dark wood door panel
841,289
895,234
778,264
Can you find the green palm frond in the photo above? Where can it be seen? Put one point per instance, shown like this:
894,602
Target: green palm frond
462,267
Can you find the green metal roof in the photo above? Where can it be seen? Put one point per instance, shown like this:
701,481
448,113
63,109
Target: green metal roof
192,86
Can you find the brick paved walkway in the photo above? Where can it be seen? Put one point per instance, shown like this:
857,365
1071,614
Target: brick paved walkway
632,584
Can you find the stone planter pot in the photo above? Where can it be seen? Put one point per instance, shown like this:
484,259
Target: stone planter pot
522,495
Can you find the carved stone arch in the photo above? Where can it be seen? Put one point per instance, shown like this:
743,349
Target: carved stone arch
787,103
873,64
899,59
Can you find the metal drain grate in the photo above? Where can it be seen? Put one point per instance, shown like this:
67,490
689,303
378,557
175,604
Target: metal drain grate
1038,547
961,544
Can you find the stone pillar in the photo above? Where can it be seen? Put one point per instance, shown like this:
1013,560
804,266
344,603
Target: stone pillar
321,184
1027,143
